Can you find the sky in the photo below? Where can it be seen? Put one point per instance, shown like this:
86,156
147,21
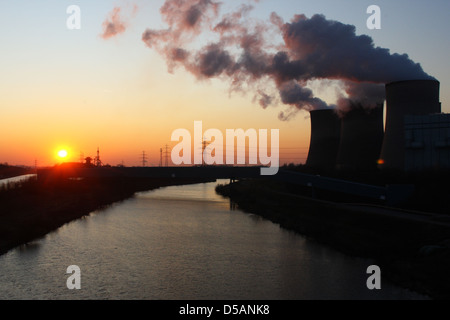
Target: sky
79,91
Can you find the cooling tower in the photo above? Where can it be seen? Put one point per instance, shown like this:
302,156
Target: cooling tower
361,139
325,136
412,97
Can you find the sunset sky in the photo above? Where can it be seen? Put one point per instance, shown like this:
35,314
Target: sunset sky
74,90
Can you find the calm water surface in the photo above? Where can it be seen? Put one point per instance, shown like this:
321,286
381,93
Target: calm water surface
16,179
183,242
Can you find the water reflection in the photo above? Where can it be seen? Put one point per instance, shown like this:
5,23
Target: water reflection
13,180
183,242
233,205
30,247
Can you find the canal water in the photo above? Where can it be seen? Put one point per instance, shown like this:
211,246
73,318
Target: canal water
184,242
14,180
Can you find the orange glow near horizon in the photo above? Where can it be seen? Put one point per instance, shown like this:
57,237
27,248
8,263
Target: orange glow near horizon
123,142
123,128
125,110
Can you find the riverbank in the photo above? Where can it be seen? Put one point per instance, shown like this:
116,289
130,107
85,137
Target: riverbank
7,171
412,249
36,208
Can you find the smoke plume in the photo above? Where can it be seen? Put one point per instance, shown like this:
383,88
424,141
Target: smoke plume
115,23
245,52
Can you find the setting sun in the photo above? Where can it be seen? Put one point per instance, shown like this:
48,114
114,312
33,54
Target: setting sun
62,153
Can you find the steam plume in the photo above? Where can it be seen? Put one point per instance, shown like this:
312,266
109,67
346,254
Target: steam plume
113,25
244,53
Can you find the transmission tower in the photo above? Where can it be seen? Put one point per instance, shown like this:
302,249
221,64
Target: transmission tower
97,160
160,156
166,154
203,150
144,159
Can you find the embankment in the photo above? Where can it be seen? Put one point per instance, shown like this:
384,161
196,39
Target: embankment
412,250
12,171
37,208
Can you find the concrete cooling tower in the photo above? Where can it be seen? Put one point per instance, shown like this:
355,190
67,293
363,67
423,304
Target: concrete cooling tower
325,137
412,97
361,139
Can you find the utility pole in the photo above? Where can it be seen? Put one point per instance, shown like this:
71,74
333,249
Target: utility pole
160,157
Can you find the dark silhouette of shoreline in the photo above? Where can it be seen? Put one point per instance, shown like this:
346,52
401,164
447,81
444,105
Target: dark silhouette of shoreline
7,171
38,207
412,248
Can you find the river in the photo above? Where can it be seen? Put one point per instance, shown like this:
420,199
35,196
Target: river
14,180
184,242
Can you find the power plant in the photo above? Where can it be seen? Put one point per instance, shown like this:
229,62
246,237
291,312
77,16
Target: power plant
325,138
357,141
361,138
405,98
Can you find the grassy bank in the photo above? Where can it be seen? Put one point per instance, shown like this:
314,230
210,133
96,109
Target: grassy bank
414,253
36,208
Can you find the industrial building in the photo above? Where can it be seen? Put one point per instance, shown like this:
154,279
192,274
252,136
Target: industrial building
415,136
361,138
405,98
325,139
427,141
351,141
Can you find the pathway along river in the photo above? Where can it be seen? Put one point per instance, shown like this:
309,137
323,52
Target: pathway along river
184,242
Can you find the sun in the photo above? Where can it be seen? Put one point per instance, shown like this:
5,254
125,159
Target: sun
62,153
